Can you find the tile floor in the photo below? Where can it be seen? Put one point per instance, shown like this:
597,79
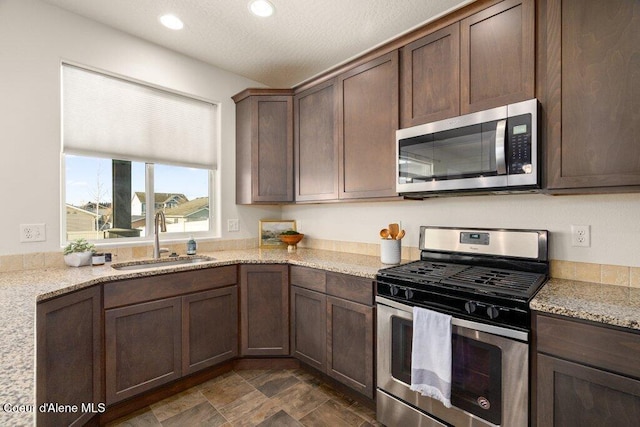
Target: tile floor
255,398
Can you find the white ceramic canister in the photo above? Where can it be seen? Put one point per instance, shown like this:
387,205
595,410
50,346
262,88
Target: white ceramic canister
390,250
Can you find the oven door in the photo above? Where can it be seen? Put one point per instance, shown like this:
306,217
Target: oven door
489,378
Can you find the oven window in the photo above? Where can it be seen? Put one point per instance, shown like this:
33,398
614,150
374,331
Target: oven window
401,339
477,378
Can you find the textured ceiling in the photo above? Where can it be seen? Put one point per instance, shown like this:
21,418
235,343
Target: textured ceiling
302,39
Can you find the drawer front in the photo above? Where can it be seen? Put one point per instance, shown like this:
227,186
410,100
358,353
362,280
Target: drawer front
132,291
599,346
352,288
308,278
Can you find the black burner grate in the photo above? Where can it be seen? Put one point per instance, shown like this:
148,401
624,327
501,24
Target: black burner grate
473,278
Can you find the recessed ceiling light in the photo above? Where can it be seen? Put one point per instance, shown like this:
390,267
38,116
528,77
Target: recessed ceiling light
171,21
261,8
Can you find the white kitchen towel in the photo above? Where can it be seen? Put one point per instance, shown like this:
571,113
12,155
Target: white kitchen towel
431,355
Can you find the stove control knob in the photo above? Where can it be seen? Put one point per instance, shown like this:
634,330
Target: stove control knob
393,290
470,307
408,293
492,312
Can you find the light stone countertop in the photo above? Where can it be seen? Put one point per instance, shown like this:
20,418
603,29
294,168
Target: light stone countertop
19,292
608,304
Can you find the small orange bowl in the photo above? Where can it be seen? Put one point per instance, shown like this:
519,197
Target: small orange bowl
291,239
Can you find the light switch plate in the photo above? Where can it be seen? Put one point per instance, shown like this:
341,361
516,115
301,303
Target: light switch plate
233,225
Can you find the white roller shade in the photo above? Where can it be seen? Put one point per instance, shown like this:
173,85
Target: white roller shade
107,116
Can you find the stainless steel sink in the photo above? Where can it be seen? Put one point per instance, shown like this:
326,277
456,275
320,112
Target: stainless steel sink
157,263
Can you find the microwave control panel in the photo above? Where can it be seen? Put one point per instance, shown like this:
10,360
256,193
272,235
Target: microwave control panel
519,144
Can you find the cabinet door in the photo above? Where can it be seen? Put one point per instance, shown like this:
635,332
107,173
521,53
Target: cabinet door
309,327
570,394
68,355
368,119
209,328
592,94
264,308
430,77
350,344
498,56
316,143
143,347
264,149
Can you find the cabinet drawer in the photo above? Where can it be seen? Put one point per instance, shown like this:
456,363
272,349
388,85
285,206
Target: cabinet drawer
351,288
132,291
309,278
599,346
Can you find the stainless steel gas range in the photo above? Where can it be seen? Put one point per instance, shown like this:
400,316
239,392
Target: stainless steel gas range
484,279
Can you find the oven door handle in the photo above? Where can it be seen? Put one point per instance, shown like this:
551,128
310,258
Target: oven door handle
468,324
501,158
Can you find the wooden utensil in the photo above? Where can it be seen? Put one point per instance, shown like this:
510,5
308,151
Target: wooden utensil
384,233
400,235
393,230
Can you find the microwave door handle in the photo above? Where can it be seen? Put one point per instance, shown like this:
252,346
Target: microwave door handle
501,161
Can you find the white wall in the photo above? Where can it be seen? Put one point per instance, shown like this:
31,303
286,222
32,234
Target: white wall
34,39
614,221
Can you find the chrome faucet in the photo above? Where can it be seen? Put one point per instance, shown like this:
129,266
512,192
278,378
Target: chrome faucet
160,220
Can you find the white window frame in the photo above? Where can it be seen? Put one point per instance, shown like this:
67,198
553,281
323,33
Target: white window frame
167,238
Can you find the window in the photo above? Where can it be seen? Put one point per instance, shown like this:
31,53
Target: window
128,151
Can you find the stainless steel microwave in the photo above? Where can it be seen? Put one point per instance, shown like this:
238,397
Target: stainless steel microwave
491,150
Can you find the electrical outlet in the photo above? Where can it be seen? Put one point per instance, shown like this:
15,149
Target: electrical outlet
32,233
233,225
580,235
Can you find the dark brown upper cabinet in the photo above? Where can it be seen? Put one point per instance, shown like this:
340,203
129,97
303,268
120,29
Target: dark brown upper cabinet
484,60
590,54
497,62
264,146
316,143
430,77
367,121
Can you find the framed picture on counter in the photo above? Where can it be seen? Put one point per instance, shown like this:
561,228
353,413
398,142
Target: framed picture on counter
270,229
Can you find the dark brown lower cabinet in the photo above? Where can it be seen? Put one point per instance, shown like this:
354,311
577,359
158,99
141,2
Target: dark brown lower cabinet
68,356
161,328
309,327
332,325
143,347
570,394
587,374
350,344
156,342
210,328
264,308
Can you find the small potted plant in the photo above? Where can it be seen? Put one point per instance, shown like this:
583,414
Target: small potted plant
78,253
